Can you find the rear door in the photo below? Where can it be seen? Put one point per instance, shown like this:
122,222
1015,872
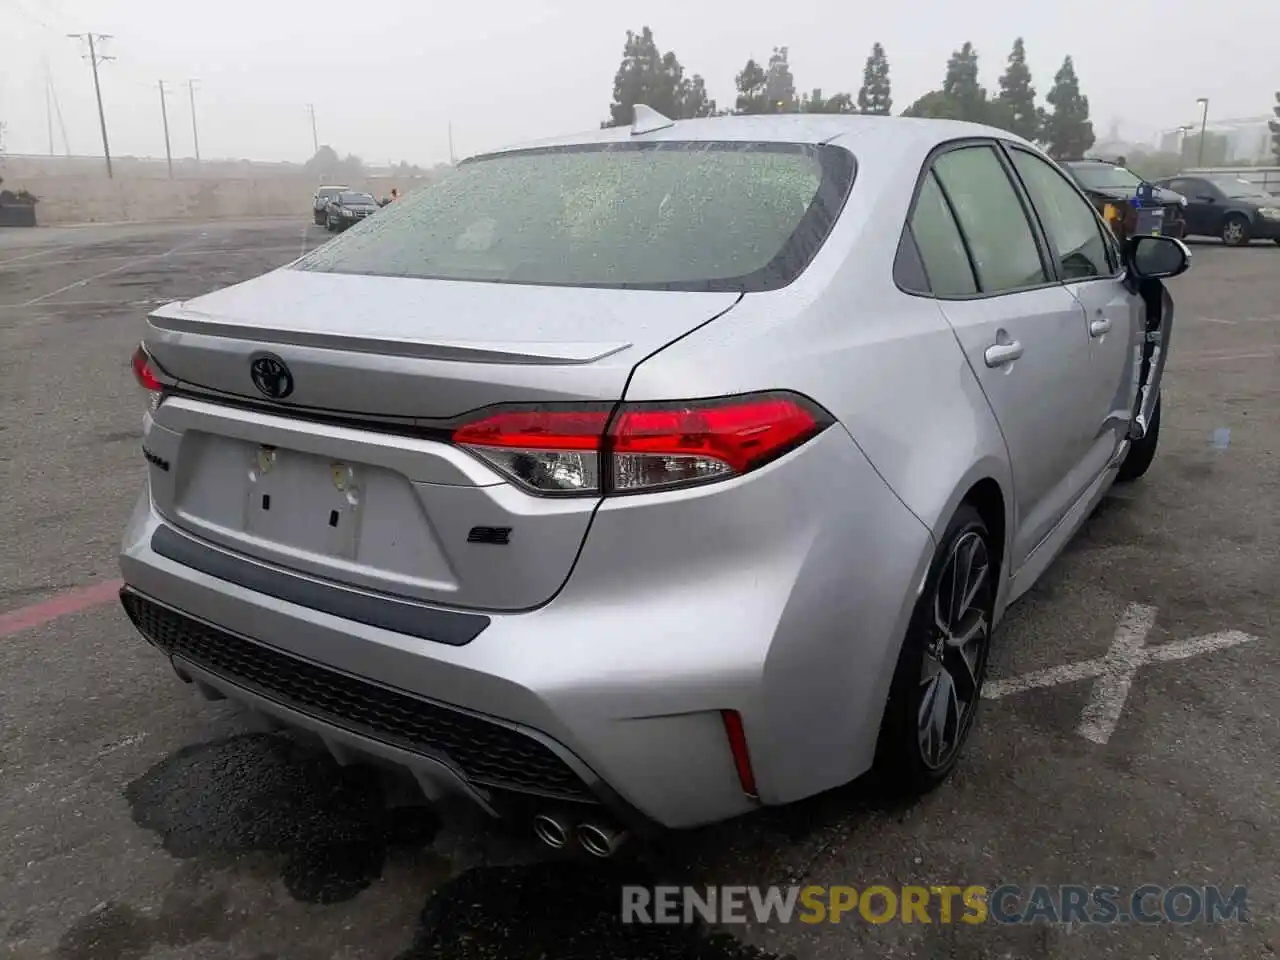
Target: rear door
1088,263
1022,332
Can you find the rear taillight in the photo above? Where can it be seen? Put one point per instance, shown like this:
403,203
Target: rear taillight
640,447
144,370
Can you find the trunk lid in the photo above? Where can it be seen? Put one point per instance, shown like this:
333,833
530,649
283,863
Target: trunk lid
368,501
414,348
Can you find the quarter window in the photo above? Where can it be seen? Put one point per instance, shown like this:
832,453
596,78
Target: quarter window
1069,221
1001,243
946,263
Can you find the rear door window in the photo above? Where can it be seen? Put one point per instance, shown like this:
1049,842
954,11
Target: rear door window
989,211
666,215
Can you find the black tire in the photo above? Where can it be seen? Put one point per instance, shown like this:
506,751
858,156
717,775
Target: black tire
1276,241
902,767
318,217
1141,452
1232,239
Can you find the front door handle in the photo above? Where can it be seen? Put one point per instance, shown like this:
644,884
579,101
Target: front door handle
1098,327
998,354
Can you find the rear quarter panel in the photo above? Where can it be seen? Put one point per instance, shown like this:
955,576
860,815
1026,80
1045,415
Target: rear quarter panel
885,363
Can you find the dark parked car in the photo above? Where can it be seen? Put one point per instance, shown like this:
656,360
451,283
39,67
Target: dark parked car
320,202
1227,207
347,208
1114,191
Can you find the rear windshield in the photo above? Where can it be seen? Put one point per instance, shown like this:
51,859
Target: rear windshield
1103,176
667,216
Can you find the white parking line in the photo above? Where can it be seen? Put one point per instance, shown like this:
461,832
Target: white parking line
28,256
105,273
1114,672
1237,356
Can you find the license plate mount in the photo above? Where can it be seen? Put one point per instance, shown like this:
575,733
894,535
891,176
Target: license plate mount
304,502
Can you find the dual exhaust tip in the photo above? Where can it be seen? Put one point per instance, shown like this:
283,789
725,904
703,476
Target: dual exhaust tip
599,840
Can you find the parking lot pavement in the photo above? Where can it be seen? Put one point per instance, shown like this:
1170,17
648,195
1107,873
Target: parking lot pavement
1129,736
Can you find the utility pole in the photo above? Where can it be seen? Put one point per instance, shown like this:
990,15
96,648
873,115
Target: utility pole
452,160
1204,122
164,115
94,60
315,140
48,106
195,133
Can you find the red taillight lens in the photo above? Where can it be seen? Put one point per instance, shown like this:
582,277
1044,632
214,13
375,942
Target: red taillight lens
661,445
644,447
143,371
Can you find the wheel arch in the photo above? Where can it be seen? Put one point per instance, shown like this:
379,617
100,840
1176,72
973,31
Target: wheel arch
987,486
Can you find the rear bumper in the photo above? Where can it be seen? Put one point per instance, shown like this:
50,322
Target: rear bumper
1264,229
756,595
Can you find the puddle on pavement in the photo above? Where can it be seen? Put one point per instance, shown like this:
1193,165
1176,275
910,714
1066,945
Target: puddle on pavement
558,910
269,794
329,832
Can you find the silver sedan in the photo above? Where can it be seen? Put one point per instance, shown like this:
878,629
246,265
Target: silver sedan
651,475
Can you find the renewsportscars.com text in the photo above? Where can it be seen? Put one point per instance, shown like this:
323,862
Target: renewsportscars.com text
975,904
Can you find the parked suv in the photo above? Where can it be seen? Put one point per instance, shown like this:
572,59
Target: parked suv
320,202
347,208
1115,191
648,476
1228,207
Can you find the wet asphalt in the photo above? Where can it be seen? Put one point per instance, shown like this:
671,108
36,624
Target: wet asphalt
139,822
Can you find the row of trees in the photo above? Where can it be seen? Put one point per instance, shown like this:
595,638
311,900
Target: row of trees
327,165
649,76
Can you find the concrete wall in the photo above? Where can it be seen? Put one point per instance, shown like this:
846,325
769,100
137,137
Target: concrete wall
95,199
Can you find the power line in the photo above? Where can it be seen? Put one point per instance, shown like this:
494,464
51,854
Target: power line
94,59
22,9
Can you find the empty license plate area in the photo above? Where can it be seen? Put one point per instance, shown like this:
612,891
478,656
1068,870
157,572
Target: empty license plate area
337,518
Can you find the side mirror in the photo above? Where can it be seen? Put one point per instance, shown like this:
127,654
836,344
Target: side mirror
1157,258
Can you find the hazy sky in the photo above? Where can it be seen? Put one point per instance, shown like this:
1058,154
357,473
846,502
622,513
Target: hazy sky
387,78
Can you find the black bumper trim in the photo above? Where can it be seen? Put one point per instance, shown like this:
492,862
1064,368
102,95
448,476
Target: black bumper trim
400,616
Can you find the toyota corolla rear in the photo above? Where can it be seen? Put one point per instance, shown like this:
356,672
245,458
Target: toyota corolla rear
398,495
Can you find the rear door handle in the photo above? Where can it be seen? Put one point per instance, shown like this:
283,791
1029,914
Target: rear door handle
999,354
1098,327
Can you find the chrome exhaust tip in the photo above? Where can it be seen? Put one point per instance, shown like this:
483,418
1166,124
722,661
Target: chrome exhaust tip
598,840
551,830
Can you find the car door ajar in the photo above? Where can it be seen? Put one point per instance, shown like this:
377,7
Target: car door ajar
1114,318
1022,332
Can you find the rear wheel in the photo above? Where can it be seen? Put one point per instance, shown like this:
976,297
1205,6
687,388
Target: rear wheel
1141,452
1235,231
938,680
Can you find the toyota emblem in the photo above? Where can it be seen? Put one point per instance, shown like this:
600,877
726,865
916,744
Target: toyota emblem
271,376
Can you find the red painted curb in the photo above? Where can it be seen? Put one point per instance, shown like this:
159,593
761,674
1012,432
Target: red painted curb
69,601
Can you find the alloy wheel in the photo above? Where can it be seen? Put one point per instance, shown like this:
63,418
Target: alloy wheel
1233,232
956,652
